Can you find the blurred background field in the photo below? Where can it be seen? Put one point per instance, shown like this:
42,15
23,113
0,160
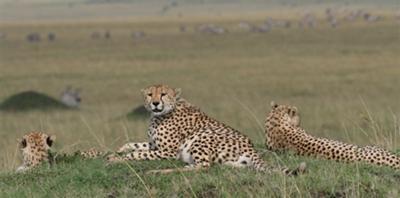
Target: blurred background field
344,79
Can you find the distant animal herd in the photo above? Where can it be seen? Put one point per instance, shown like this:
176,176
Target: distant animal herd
306,20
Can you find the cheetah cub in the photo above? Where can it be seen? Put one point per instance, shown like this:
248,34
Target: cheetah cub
283,132
180,130
36,149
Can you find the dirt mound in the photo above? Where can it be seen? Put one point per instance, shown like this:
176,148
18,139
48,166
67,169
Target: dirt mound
31,100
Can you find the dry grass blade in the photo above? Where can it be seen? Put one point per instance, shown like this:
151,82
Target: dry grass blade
89,129
253,115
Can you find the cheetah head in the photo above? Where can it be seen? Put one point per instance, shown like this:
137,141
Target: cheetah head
35,148
286,112
160,99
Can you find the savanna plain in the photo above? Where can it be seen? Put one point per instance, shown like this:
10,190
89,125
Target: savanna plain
344,80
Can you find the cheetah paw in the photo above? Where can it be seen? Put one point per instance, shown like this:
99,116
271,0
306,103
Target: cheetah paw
302,168
112,158
125,148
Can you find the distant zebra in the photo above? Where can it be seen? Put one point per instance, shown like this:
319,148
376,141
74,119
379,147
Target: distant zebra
353,15
107,35
182,28
308,20
169,6
278,23
95,35
100,35
51,36
211,29
371,18
33,37
138,35
245,26
331,17
263,28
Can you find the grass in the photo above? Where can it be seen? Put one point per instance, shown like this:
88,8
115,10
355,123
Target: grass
343,80
92,178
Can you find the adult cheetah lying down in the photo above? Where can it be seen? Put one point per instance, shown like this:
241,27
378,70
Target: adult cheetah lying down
180,130
283,132
36,149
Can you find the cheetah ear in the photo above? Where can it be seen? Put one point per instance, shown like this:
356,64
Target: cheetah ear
143,91
274,105
50,140
22,143
178,92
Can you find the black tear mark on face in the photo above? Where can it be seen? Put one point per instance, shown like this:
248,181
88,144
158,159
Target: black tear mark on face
49,141
23,143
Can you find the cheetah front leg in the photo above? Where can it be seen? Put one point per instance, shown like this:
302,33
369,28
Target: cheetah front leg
142,155
197,159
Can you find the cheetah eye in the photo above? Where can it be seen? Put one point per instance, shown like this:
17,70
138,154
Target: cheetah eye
150,94
163,94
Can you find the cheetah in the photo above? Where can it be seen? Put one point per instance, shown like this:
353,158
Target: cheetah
180,130
283,132
36,149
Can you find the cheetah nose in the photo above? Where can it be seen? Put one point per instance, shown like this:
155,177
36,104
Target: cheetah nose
156,103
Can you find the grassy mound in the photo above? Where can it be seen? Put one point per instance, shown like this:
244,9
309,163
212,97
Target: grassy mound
31,100
94,178
139,112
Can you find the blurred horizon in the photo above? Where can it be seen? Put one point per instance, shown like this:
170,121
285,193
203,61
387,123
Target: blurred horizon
14,11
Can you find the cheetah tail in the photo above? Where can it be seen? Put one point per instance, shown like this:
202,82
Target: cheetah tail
301,169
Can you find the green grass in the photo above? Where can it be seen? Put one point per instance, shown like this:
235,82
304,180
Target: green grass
344,81
93,178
